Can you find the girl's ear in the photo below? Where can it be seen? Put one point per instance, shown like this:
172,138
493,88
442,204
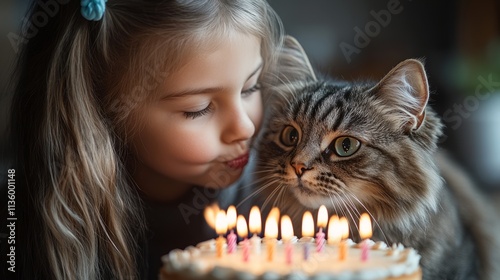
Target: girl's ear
404,91
293,62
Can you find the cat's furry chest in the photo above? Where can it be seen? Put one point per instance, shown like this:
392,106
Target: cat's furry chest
447,246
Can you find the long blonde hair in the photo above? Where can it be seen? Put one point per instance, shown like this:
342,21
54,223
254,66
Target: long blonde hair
79,84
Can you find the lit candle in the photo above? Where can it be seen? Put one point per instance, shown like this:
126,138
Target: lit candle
210,213
275,212
287,235
334,233
231,223
221,229
271,233
365,232
344,231
255,228
320,236
241,227
308,232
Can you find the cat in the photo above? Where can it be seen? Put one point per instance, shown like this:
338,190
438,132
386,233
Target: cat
372,147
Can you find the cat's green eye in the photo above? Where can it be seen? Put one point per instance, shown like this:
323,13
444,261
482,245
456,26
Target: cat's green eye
346,146
289,136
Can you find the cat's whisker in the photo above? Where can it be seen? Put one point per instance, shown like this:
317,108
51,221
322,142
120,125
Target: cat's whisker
257,191
264,171
348,210
269,197
369,213
281,195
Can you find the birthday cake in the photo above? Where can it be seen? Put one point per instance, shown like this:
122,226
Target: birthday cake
384,262
335,257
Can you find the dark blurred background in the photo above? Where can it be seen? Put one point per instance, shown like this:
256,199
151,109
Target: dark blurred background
459,41
352,40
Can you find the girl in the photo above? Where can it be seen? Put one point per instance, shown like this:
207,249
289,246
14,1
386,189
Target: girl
128,118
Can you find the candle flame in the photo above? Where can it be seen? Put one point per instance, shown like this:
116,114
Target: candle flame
271,230
255,220
275,212
241,226
210,213
344,228
322,216
286,228
334,230
307,225
221,222
365,226
231,217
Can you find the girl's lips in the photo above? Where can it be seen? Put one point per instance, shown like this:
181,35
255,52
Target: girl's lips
238,162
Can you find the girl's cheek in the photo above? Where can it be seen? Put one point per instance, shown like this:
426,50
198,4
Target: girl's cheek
199,147
257,111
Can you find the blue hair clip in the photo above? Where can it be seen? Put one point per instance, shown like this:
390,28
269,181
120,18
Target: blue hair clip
93,9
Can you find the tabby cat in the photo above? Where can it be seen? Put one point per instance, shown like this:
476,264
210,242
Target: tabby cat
372,147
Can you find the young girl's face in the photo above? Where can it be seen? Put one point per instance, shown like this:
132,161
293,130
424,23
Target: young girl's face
198,131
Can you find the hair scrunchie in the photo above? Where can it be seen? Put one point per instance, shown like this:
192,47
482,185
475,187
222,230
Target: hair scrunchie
93,9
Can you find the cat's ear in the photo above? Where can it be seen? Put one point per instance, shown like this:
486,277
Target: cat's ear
294,65
405,91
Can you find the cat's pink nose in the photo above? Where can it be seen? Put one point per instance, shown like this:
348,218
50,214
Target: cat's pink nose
300,168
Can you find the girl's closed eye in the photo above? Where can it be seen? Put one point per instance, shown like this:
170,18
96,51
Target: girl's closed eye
200,113
251,90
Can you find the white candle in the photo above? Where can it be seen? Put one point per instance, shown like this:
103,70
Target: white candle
255,228
307,231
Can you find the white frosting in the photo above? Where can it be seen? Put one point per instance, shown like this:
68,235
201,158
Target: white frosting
383,262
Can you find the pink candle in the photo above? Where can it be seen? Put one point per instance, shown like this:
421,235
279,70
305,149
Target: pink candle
322,221
246,249
231,242
320,241
364,250
231,222
365,232
288,252
241,227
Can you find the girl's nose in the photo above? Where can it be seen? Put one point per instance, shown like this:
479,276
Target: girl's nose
238,125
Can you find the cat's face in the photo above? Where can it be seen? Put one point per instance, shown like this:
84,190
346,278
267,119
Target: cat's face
321,145
352,147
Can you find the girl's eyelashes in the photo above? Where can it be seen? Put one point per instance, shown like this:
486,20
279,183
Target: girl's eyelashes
209,108
251,90
197,114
